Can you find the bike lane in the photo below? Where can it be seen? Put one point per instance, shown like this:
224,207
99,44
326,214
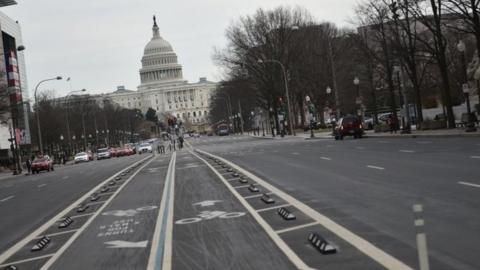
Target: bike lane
120,236
211,229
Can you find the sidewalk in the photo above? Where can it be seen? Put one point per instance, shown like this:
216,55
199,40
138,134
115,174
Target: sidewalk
439,133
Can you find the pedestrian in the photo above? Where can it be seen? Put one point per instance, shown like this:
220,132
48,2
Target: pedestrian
180,141
28,163
392,123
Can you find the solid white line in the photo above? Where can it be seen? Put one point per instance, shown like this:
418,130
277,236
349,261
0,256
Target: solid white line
325,158
7,198
238,187
58,233
42,185
375,167
299,264
406,151
69,242
297,227
255,196
475,157
361,244
168,252
27,260
469,184
152,260
271,208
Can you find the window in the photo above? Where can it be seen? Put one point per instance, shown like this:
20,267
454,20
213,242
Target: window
194,114
200,113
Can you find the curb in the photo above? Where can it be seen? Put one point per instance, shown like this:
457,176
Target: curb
410,136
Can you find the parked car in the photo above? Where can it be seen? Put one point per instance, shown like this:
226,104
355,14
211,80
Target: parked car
368,122
81,157
145,147
113,152
103,153
222,130
348,126
44,163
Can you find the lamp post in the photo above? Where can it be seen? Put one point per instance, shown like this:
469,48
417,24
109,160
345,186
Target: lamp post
260,61
358,100
401,89
261,120
271,122
40,144
67,119
466,88
470,124
311,113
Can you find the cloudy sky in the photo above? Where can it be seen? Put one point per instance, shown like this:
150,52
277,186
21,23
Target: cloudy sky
99,43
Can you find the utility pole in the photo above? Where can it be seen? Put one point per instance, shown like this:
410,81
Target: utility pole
240,115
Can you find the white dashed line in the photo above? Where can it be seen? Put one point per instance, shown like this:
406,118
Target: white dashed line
406,151
325,158
360,147
41,185
65,177
475,157
375,167
382,141
295,153
424,142
297,227
469,184
7,198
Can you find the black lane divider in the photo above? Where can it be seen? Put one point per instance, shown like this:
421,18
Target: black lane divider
94,197
118,178
286,214
243,180
267,199
320,244
235,174
111,183
11,267
65,223
104,189
229,170
42,243
82,207
253,188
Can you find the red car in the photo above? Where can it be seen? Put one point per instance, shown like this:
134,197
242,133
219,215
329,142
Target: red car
113,152
42,164
348,126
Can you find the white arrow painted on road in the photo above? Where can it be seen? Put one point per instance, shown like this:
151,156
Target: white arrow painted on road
126,244
207,203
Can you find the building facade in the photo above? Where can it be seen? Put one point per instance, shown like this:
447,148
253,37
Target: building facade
163,88
13,86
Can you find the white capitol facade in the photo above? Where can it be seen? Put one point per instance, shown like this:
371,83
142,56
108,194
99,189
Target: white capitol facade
163,88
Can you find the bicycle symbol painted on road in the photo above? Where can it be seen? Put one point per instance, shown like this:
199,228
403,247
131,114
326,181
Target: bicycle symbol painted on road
207,215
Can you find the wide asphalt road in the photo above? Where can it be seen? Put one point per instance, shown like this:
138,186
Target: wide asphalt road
370,185
26,202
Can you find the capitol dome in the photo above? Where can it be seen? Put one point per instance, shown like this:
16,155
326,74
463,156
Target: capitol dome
159,62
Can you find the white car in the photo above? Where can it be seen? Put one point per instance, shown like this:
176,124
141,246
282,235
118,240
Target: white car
81,157
145,147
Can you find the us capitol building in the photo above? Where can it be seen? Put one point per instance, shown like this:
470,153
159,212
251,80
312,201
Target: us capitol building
163,88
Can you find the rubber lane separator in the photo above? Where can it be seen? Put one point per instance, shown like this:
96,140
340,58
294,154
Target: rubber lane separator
289,253
375,253
69,242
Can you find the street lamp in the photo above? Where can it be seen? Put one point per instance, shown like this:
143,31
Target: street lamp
470,124
260,61
311,112
358,101
38,110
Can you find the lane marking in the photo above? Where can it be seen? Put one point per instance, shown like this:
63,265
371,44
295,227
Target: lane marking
7,198
475,157
27,260
375,167
325,158
297,227
469,184
360,147
383,141
295,154
42,185
65,177
406,151
291,255
161,249
424,142
255,196
58,233
12,250
238,187
271,208
369,249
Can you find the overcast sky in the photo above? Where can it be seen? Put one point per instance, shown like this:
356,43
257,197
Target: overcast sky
99,43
